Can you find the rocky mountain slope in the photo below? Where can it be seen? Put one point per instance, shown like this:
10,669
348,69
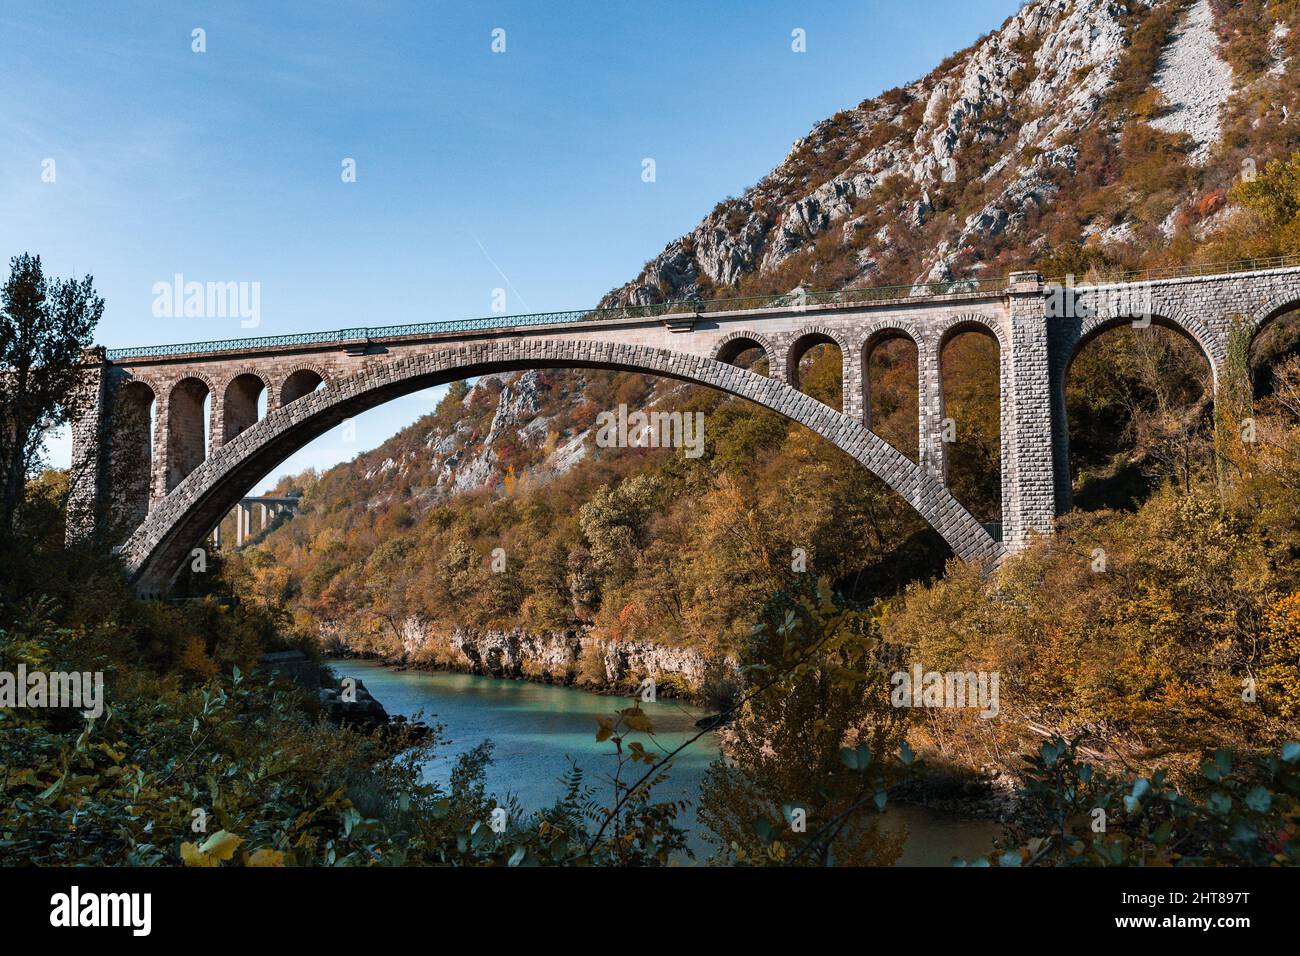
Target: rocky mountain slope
1054,116
504,433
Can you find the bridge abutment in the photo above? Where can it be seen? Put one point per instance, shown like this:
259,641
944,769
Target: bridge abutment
88,475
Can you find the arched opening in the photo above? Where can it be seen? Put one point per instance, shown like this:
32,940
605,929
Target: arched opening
1139,402
745,353
816,368
891,392
244,404
187,428
300,383
1275,343
971,427
131,458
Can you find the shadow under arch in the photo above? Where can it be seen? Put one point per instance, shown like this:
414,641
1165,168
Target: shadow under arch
156,550
239,403
188,422
131,452
1273,336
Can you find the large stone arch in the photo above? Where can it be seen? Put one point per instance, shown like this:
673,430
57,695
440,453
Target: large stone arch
1069,336
1256,324
158,548
1198,331
1275,307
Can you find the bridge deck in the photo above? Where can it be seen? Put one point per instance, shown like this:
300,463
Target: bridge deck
670,313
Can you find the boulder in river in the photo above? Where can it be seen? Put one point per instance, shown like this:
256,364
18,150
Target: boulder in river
360,710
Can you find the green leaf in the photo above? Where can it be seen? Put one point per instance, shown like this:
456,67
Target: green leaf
1219,803
1259,799
1223,760
1291,752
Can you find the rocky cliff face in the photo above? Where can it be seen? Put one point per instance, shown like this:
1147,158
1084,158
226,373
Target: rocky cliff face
919,183
561,657
461,452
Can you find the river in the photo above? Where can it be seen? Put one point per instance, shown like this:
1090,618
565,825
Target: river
538,728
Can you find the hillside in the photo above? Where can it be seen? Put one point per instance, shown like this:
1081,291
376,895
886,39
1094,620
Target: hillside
1079,136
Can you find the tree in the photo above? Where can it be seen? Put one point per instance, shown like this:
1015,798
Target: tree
808,758
44,325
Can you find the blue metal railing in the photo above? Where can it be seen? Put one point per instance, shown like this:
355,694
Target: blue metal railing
686,307
1187,271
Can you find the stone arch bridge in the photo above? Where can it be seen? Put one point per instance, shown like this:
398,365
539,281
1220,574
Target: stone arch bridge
154,468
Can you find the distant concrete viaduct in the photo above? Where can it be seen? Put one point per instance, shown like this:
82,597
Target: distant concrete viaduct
269,507
146,459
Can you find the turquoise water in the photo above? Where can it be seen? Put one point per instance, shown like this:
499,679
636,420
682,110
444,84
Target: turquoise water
538,728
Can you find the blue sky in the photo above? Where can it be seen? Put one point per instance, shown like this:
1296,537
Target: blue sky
475,170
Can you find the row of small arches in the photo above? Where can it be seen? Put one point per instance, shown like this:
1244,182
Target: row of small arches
246,398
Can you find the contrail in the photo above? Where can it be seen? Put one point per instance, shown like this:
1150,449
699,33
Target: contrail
499,272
